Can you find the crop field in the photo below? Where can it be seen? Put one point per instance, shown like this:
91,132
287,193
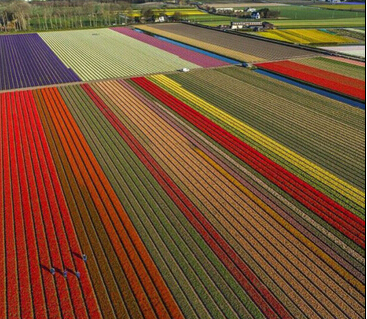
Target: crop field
74,56
25,60
355,50
83,51
348,61
305,36
353,33
356,30
244,5
342,6
338,67
295,12
258,139
186,196
131,190
230,45
320,23
185,54
323,78
216,20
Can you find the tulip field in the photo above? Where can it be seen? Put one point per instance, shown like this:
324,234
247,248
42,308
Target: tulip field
185,54
305,36
136,191
74,56
339,83
83,51
355,70
25,60
230,45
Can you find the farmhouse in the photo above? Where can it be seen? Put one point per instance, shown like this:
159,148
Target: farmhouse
161,18
255,15
256,26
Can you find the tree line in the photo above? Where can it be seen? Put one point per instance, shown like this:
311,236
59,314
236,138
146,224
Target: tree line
19,15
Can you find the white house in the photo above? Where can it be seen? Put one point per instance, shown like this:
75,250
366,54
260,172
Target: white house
255,15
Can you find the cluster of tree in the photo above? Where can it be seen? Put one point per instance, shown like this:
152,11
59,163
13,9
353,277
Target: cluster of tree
78,3
149,15
16,13
269,14
22,16
265,13
51,15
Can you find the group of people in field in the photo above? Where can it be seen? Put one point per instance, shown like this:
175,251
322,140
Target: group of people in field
65,272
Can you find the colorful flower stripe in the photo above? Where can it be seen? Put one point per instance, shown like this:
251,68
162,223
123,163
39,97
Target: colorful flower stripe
356,83
183,53
328,80
3,163
85,52
149,289
77,199
289,120
314,170
336,58
27,61
23,124
314,200
11,288
196,139
261,296
230,45
360,287
177,157
97,246
173,152
44,257
339,67
13,297
309,167
307,36
240,56
283,222
192,264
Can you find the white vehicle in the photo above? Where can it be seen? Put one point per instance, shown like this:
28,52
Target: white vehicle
185,70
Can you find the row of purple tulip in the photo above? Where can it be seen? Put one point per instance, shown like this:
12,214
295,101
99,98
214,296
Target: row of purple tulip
26,60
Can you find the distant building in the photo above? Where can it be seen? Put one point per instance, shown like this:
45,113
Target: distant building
255,15
256,26
223,9
268,26
162,18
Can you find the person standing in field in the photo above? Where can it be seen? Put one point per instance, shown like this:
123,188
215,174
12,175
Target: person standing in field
84,257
